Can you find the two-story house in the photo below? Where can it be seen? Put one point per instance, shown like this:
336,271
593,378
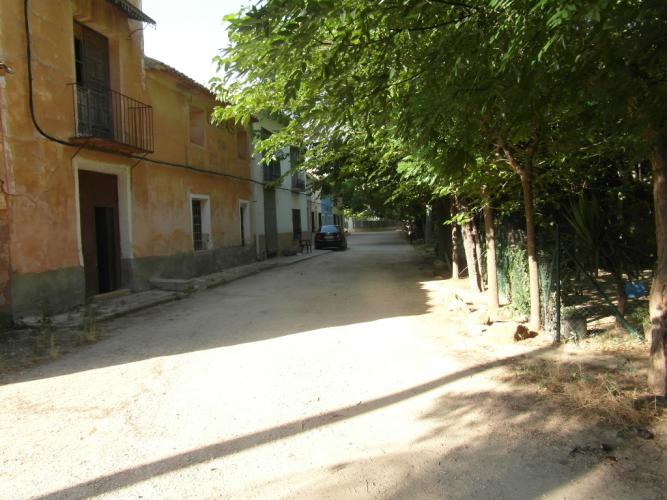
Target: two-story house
283,198
110,171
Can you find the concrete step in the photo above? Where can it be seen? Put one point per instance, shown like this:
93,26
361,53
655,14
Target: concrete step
101,297
175,284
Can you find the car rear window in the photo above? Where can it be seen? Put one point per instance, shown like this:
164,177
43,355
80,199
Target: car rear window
328,229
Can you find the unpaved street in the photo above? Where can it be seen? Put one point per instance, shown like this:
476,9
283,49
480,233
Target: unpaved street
342,376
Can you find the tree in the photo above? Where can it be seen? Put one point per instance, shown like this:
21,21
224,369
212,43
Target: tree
619,51
531,84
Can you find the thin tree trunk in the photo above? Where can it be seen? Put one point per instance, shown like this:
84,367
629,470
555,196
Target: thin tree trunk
491,268
478,254
526,173
621,301
455,254
657,376
428,226
455,243
469,249
531,247
442,234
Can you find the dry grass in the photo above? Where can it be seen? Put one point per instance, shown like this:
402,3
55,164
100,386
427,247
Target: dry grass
24,348
607,393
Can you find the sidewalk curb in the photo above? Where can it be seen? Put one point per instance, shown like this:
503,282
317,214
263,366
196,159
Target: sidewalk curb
76,318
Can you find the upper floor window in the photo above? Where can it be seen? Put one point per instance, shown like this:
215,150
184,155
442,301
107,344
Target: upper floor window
197,126
272,169
294,156
91,57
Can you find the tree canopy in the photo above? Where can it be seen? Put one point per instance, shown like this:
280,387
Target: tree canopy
400,102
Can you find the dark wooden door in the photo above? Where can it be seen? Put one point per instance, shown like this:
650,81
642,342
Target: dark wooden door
296,224
100,231
91,52
270,223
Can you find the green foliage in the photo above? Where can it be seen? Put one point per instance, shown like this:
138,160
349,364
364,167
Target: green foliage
401,102
513,276
601,239
641,319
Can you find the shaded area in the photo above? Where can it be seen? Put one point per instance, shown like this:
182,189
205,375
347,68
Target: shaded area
525,446
121,479
508,442
376,278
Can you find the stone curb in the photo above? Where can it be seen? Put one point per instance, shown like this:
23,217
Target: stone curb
203,283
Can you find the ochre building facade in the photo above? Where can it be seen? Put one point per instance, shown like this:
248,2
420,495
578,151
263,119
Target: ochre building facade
111,173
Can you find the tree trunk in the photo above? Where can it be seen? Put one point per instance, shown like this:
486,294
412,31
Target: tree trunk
622,300
491,271
469,249
525,172
478,254
455,254
428,227
442,234
657,376
531,249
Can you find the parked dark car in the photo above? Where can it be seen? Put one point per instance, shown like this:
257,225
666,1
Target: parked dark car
330,237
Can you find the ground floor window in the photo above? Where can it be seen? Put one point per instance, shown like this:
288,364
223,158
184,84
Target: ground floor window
201,222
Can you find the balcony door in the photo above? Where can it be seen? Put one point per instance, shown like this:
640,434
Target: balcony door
93,97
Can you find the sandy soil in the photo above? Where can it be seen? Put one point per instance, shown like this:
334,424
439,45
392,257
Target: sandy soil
352,375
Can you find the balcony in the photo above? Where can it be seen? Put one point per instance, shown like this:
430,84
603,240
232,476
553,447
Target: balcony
111,121
272,171
298,182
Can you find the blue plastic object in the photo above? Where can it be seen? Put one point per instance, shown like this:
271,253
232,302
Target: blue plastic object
634,290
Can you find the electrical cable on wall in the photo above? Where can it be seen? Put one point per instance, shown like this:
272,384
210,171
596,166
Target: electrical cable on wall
191,168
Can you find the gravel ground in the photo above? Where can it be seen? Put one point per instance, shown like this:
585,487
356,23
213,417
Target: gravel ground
344,376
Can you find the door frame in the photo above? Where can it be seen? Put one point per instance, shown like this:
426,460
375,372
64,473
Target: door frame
122,172
247,234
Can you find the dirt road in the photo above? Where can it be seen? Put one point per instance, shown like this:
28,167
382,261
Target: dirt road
344,376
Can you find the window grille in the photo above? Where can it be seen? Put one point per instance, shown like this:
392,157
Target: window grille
197,234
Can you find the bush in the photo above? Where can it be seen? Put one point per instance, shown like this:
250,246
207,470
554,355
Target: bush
517,279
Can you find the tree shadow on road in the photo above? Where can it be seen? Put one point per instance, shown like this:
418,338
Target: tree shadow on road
446,408
522,446
503,443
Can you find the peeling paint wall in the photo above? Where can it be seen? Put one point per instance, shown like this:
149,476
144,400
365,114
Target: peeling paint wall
5,262
39,224
43,218
162,209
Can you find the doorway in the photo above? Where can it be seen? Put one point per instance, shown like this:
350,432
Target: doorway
296,224
270,223
100,240
245,222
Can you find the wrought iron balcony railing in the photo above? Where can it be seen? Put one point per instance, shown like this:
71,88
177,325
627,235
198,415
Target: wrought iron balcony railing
112,120
272,171
298,182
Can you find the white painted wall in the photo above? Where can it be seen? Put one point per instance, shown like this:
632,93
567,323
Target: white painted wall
286,199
